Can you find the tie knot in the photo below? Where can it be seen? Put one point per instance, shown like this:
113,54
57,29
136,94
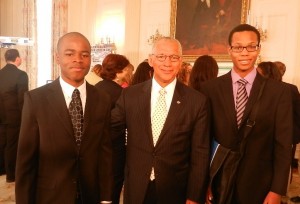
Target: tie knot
242,82
162,92
76,94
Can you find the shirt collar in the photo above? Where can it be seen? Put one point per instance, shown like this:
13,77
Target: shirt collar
250,77
68,89
169,88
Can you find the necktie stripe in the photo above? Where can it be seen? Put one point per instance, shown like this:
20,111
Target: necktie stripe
241,100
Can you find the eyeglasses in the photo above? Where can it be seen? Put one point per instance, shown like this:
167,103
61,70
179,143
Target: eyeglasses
249,48
162,58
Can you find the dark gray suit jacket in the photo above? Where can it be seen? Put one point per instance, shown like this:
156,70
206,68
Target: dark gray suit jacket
266,162
181,155
49,163
13,85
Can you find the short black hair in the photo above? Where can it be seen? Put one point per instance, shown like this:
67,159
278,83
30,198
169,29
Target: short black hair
241,28
11,55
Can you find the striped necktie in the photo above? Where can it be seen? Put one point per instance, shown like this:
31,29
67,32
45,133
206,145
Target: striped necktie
241,100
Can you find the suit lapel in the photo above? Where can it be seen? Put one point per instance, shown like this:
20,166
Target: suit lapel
145,108
90,99
58,104
228,98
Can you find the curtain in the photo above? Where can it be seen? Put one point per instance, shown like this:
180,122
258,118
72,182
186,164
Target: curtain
59,28
29,53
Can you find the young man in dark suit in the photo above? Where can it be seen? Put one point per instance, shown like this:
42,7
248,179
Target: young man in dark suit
13,85
166,164
262,173
62,158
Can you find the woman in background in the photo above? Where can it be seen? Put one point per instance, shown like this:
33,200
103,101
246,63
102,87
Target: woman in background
128,77
269,70
142,73
114,73
184,73
205,68
93,77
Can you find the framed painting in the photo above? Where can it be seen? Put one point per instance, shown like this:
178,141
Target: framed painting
202,26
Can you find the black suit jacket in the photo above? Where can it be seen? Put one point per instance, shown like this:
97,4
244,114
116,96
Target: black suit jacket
13,85
111,88
296,112
266,162
181,155
49,164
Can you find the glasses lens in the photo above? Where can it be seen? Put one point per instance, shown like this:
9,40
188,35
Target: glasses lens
237,48
251,48
174,58
161,58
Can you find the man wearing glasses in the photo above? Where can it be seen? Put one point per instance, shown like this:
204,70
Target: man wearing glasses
263,169
167,156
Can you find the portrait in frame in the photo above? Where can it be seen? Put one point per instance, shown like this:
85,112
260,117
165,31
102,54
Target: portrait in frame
203,26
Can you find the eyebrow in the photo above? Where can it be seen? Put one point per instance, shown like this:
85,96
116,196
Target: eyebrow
72,50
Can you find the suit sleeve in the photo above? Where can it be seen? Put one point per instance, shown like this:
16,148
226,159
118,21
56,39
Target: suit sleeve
282,143
27,156
22,87
105,160
296,114
198,177
118,125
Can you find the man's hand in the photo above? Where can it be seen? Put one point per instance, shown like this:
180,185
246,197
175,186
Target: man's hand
272,198
190,202
209,196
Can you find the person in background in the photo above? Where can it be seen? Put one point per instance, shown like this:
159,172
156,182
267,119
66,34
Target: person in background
13,85
167,152
142,73
128,77
93,77
271,70
114,73
263,169
64,153
184,73
296,104
205,68
281,66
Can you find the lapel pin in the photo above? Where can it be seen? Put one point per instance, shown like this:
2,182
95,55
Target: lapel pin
178,102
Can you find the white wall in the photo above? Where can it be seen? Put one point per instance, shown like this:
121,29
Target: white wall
281,19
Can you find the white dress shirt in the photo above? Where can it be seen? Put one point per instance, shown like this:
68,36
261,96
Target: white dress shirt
170,88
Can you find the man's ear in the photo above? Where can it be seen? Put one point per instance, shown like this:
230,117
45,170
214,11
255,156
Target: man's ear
228,49
150,62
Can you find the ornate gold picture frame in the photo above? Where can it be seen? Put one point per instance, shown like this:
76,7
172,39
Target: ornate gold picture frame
202,27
